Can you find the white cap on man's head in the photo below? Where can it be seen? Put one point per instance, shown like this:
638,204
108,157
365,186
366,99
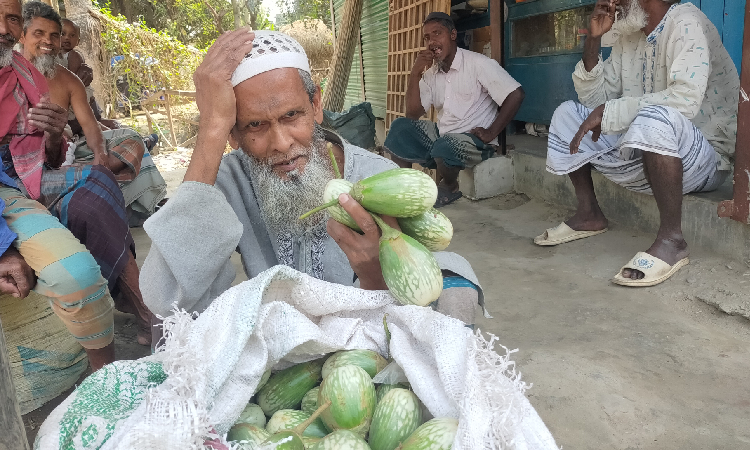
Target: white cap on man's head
271,50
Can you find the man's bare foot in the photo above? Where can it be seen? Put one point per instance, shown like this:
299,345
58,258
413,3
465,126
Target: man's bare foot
590,221
670,250
100,357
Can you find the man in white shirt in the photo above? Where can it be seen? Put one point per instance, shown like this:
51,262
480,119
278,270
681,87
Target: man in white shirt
475,99
662,112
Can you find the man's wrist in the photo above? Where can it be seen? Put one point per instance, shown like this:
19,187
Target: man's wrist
215,128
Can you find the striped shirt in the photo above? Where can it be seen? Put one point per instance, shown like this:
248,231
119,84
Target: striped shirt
681,64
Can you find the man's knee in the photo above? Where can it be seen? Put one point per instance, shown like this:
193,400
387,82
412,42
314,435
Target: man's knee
444,149
399,125
566,112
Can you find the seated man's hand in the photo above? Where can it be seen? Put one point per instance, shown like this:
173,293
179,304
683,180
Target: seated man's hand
592,123
16,277
51,119
483,134
362,250
86,74
602,18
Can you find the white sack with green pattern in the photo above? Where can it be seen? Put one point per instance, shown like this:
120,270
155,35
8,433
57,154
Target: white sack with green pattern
197,385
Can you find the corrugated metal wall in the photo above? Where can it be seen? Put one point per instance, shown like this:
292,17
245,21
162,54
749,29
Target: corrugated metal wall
374,39
354,88
374,29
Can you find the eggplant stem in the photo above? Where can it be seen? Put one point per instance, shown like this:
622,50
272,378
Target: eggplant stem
387,338
387,231
318,209
299,429
333,161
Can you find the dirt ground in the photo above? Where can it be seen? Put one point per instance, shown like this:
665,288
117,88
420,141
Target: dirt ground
611,367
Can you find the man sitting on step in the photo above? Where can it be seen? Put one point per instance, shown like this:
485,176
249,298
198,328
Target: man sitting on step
256,91
475,99
142,185
658,117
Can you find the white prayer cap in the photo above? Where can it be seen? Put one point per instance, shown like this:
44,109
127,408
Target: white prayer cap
271,50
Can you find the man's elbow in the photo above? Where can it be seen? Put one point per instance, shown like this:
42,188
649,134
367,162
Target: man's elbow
517,97
414,114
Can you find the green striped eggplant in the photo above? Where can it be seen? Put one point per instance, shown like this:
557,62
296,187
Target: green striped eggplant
396,192
395,419
341,440
286,419
244,432
352,395
334,188
284,440
383,389
253,415
431,229
285,389
436,434
368,360
410,271
310,400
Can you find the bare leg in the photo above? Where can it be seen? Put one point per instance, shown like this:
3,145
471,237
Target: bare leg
401,163
588,216
130,300
101,356
448,175
664,173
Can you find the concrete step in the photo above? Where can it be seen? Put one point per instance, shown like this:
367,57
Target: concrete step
701,225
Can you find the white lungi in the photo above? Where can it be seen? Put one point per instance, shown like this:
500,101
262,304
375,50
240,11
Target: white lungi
657,129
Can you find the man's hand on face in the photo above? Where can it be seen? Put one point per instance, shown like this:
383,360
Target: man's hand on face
49,118
592,123
602,18
362,250
16,277
483,134
425,60
86,74
213,79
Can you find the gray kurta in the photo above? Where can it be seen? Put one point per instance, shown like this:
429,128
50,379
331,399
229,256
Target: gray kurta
195,233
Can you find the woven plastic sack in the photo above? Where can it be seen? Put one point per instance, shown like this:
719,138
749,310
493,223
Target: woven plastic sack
45,359
356,125
195,387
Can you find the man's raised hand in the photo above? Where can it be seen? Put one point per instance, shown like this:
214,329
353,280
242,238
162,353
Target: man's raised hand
602,18
49,118
425,60
213,79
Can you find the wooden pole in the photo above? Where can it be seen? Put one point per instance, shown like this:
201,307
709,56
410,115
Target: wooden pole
497,25
343,53
12,431
333,24
169,117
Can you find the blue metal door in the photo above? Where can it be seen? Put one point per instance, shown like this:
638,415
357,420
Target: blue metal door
728,16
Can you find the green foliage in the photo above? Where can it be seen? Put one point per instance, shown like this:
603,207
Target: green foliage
293,10
148,59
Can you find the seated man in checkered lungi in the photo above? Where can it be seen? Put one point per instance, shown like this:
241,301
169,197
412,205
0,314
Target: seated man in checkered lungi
475,99
658,117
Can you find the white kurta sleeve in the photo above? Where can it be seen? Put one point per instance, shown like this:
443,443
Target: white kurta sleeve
603,83
192,238
689,61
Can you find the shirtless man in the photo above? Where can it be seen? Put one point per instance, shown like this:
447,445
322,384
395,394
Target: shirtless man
41,46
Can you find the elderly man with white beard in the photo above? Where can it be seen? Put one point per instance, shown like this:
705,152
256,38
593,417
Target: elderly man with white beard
255,91
659,117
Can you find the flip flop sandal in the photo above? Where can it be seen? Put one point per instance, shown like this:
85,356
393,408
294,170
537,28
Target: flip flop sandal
562,234
446,197
655,270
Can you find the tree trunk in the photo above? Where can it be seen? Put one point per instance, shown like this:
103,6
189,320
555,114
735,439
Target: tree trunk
343,53
237,16
12,431
78,12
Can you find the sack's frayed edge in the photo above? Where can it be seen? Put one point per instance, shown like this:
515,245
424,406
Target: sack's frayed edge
502,391
176,412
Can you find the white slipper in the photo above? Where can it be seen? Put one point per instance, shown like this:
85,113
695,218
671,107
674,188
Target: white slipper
655,270
562,234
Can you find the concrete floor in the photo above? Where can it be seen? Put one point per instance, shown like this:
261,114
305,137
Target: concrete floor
611,367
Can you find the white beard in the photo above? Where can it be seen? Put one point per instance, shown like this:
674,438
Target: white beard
46,64
283,201
630,21
6,56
